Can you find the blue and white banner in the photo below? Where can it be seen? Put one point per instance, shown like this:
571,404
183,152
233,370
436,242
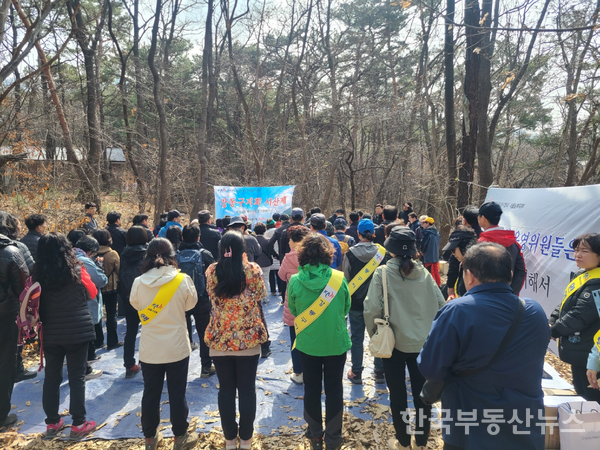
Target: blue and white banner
545,222
257,203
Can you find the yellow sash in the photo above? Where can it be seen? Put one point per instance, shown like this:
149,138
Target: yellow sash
597,341
162,299
309,315
596,295
366,271
580,281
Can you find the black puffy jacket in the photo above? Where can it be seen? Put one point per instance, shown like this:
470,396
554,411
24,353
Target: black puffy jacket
131,268
119,237
13,273
578,315
31,240
66,316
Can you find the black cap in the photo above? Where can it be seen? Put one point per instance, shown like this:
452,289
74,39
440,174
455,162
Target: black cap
318,220
340,224
297,213
284,217
236,220
276,217
401,241
173,214
204,216
491,211
456,237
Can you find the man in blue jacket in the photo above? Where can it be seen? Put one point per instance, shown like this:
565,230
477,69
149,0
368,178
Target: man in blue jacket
173,219
500,407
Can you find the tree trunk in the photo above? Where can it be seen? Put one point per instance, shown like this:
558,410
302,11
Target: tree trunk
161,195
71,156
470,104
449,99
201,200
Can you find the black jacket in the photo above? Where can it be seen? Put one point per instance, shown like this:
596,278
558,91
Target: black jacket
13,273
352,230
277,237
263,260
210,237
66,316
578,315
380,232
131,268
148,232
203,304
31,240
119,238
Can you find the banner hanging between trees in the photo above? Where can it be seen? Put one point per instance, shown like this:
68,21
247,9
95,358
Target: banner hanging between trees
257,203
545,222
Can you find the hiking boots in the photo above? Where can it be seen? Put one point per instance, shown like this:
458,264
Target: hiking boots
25,374
81,431
10,420
54,429
207,372
131,371
356,378
152,443
316,444
185,442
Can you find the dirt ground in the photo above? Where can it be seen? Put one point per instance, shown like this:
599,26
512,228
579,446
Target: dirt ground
358,434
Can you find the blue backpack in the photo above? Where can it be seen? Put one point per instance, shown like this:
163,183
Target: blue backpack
190,263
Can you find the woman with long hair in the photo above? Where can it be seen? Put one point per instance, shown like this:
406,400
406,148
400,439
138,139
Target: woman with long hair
289,267
68,329
413,299
235,334
576,322
319,298
164,346
131,268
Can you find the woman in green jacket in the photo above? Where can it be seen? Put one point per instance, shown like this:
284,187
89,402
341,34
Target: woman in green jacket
319,298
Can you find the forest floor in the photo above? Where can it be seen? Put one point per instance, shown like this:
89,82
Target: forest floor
359,434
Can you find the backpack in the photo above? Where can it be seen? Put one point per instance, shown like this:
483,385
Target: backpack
28,320
343,243
190,262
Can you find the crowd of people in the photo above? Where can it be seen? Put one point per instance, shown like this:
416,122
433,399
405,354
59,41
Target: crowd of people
471,339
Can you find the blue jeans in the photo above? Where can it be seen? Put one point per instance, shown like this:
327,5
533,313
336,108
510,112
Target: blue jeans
357,330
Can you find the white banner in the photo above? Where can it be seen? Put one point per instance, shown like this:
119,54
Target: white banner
545,222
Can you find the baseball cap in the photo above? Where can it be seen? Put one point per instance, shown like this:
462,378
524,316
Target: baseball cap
401,241
284,217
276,216
173,214
366,225
429,220
340,224
491,211
318,220
297,213
456,237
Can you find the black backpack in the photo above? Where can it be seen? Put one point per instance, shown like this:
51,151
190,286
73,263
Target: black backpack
190,262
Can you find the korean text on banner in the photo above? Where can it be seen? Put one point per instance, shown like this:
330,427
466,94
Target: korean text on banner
545,222
257,203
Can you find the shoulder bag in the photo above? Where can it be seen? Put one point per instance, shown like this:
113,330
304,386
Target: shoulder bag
383,341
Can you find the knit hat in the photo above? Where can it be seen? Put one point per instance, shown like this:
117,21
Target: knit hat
401,241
